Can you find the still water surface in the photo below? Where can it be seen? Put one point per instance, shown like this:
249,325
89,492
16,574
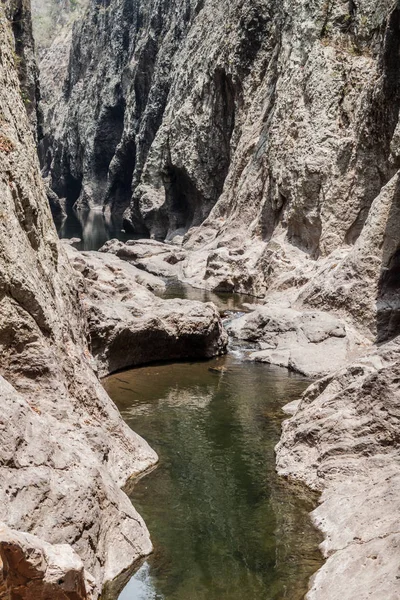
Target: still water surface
223,525
226,302
93,229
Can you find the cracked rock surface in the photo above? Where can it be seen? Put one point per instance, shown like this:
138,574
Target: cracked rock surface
32,569
344,441
65,452
312,343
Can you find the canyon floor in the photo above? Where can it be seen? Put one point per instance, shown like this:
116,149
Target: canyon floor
341,439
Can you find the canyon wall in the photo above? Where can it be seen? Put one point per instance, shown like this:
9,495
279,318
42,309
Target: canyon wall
65,452
259,133
263,137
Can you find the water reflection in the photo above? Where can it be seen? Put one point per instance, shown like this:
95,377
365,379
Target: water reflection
93,228
223,525
225,302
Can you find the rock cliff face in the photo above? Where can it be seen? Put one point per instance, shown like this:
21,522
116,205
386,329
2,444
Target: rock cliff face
64,450
263,132
264,138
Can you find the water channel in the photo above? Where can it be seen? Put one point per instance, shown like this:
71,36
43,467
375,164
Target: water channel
224,526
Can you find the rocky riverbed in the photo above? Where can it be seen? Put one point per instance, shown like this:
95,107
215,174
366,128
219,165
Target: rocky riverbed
261,140
342,438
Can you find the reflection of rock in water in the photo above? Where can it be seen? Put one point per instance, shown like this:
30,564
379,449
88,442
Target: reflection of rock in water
223,525
296,553
92,227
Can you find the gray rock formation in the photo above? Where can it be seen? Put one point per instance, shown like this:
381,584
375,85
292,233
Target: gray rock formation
312,343
163,260
65,452
269,127
264,137
130,326
344,441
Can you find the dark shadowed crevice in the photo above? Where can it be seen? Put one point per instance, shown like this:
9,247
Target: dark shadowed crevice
390,279
355,229
224,120
184,202
108,135
73,187
252,32
199,7
388,299
388,304
119,190
144,75
67,186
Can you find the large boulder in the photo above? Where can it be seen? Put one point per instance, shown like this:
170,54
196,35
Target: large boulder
130,326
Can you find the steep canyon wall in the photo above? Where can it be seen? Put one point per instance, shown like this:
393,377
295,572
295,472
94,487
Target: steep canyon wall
64,452
264,138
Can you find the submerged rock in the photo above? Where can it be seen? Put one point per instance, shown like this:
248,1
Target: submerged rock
130,326
219,370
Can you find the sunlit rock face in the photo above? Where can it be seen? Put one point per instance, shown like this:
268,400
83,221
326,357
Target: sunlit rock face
258,133
343,440
130,326
64,450
263,136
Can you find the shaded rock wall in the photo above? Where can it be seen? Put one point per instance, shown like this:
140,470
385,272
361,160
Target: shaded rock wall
31,569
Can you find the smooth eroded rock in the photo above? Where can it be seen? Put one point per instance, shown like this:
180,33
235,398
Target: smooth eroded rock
313,343
344,441
130,326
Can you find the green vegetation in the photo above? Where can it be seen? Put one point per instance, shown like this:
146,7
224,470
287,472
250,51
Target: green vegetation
49,18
